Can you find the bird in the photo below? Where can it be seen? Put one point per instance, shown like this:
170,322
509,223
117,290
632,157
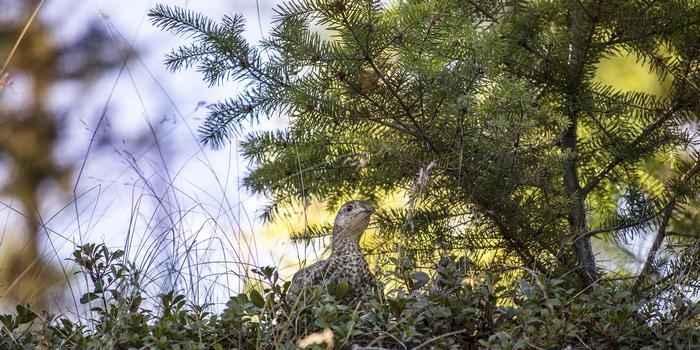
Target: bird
346,261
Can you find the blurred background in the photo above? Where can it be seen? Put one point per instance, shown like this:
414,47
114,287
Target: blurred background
98,143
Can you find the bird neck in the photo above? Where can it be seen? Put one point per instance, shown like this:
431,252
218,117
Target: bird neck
345,243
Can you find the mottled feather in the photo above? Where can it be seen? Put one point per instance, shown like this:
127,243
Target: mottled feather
346,261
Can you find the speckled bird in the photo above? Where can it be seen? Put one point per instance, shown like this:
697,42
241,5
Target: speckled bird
346,262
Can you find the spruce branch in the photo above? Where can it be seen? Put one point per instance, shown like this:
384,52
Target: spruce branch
483,11
367,56
181,21
623,226
619,159
663,225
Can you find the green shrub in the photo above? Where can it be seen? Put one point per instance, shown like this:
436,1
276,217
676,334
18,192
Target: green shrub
440,312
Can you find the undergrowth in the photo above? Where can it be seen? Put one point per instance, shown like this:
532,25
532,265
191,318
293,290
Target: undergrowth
443,311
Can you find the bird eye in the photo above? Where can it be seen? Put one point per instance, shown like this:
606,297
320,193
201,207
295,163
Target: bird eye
348,208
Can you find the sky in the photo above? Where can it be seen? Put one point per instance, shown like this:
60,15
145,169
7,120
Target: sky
172,205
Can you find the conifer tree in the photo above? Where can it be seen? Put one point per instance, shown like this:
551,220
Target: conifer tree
485,113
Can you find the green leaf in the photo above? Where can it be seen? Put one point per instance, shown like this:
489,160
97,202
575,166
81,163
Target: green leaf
99,285
117,254
257,299
396,306
419,279
88,297
24,314
341,289
8,321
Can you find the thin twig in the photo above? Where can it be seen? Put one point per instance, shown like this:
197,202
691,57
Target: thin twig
448,334
21,36
479,8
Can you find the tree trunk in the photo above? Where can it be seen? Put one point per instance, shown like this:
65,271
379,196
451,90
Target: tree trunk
586,265
580,37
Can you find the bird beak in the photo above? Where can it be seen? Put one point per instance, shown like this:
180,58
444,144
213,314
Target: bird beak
370,210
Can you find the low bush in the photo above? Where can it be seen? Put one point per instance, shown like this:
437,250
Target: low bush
442,311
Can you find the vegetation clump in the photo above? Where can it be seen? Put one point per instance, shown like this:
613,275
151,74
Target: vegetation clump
442,311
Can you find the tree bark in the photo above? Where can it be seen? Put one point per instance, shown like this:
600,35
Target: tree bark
578,226
580,37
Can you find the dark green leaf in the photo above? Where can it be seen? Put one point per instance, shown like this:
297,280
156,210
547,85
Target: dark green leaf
256,298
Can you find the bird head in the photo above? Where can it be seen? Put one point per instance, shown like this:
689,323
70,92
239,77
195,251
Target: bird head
352,220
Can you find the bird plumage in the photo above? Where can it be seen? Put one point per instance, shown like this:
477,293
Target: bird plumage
346,261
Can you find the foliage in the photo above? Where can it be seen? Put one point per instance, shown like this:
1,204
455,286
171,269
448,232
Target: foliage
447,312
486,114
